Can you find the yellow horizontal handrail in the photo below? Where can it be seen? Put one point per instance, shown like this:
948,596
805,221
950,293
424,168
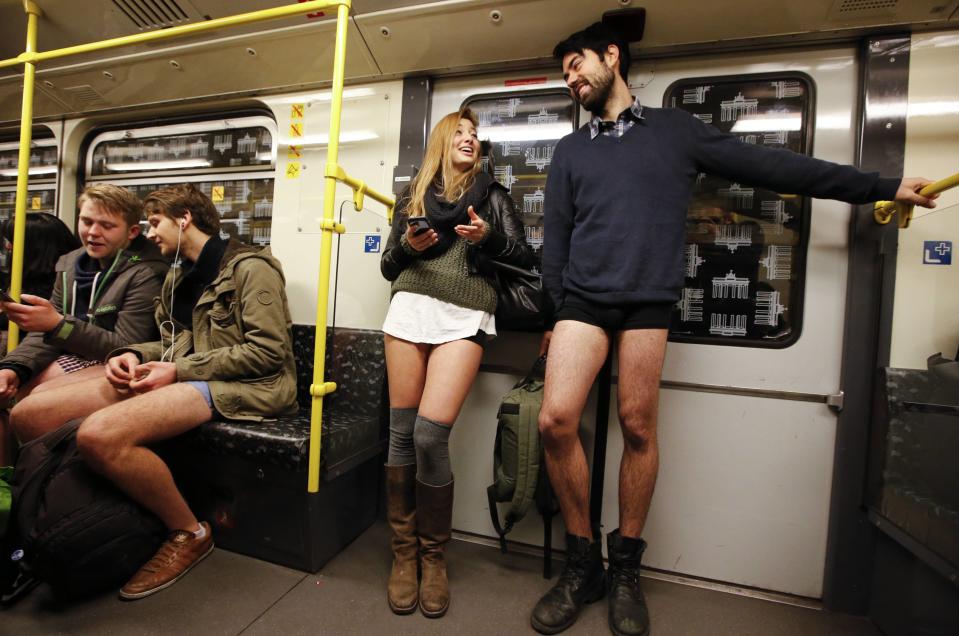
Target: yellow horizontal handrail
172,32
361,189
883,211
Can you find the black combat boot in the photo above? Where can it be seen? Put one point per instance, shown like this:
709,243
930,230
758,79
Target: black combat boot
628,615
583,581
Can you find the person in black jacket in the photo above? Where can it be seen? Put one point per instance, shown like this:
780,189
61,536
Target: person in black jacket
48,239
449,224
615,209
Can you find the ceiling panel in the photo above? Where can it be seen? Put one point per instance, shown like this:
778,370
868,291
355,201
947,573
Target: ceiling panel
461,32
283,60
11,96
71,22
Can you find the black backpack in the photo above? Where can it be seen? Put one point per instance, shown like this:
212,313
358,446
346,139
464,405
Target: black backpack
519,469
71,527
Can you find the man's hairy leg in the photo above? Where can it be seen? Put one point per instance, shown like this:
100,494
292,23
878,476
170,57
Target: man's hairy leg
45,411
113,441
576,353
641,354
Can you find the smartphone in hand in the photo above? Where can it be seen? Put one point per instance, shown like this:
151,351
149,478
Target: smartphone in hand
419,224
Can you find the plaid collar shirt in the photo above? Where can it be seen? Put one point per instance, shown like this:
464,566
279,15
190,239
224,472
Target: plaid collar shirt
615,129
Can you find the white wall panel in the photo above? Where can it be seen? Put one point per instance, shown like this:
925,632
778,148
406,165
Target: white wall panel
371,113
926,315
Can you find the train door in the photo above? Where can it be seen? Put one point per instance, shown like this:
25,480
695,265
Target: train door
746,435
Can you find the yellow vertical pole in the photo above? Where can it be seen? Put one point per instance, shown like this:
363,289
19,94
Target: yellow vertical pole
319,388
23,167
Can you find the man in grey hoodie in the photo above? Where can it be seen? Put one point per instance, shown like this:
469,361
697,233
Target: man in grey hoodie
103,298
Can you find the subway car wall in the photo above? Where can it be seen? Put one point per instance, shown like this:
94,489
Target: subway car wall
745,482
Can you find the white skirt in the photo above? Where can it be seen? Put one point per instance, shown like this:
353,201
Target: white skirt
420,318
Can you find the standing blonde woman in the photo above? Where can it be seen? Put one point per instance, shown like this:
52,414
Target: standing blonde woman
449,225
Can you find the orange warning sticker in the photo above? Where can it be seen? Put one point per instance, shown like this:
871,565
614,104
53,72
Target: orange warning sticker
296,129
296,112
525,81
293,170
35,203
217,194
294,152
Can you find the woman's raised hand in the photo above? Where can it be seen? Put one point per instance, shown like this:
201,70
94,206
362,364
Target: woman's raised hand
476,230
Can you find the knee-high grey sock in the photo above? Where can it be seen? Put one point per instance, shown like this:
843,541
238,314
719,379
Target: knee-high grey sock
401,451
432,451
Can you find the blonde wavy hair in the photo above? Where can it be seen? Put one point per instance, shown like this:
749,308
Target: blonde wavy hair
438,166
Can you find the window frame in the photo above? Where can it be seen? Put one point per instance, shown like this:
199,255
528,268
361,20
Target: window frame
800,256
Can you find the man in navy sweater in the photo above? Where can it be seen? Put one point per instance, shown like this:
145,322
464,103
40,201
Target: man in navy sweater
616,201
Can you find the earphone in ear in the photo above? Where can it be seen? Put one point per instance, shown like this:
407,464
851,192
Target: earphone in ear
183,225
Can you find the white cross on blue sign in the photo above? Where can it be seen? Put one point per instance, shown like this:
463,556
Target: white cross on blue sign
937,252
371,243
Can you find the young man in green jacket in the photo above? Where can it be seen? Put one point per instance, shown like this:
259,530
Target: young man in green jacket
225,350
102,299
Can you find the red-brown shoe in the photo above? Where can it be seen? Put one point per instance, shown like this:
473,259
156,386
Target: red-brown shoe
180,552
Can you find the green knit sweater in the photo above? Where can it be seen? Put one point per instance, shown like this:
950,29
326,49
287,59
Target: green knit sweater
447,278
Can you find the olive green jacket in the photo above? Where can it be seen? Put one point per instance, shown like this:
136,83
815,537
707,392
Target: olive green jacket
240,341
118,317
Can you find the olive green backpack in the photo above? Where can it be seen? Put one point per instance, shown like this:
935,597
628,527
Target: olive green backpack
519,469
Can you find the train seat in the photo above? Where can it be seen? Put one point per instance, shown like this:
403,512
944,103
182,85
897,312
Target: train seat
249,479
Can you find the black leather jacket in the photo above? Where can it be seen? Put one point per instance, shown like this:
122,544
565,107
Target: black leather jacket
505,242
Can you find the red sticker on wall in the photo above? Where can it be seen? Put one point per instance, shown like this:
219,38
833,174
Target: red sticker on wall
526,81
312,16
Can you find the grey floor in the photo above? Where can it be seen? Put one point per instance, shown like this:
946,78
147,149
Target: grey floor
491,593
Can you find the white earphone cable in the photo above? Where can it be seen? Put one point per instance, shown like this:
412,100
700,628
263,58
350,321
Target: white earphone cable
171,322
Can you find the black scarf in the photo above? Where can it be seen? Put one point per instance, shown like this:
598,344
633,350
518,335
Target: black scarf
196,276
444,215
84,272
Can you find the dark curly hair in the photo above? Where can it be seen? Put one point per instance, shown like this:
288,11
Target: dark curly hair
596,37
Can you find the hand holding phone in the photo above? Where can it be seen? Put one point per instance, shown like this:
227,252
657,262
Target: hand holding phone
419,224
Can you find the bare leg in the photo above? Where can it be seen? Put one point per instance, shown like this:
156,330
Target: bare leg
52,372
576,353
63,379
406,370
451,369
641,353
113,442
45,411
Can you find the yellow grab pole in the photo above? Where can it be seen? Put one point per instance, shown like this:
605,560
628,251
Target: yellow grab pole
883,210
319,387
185,29
23,168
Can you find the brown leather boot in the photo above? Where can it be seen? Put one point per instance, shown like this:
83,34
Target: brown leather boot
434,506
401,512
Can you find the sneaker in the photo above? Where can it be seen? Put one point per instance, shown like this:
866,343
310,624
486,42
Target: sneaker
178,554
